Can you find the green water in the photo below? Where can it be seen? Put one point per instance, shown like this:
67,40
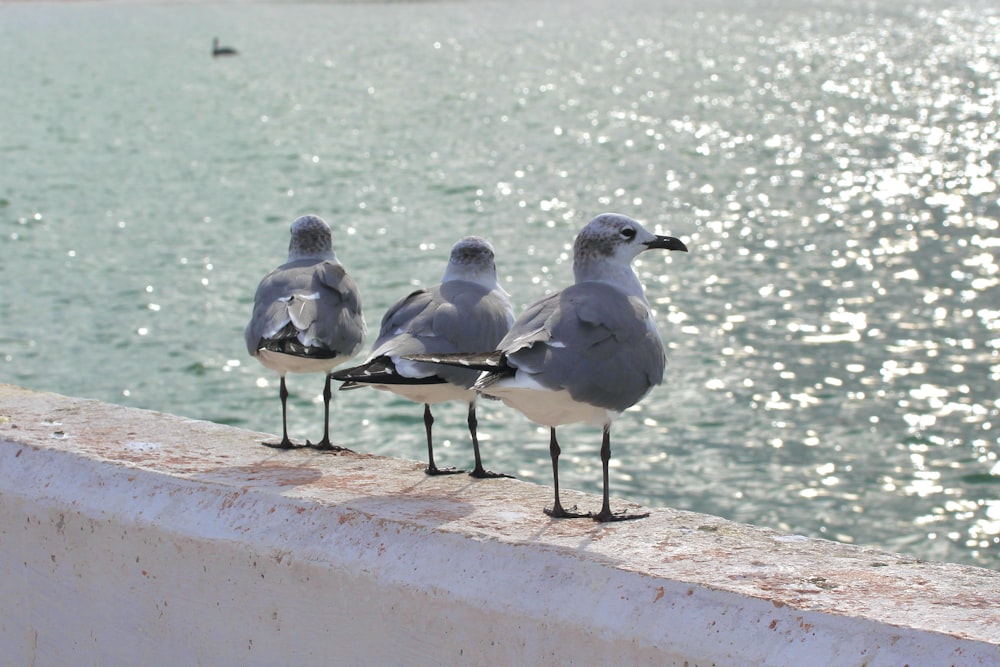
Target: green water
832,335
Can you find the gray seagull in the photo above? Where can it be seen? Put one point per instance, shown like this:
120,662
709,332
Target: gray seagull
306,317
583,354
467,312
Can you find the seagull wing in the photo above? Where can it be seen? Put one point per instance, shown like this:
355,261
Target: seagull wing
457,316
306,308
593,341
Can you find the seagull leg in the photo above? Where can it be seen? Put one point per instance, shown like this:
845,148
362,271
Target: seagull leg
606,514
285,442
479,472
432,469
557,511
325,444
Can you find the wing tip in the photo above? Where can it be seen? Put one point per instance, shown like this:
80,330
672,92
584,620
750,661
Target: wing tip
480,361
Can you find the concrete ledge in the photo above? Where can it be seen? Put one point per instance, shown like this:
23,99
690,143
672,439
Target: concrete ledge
129,537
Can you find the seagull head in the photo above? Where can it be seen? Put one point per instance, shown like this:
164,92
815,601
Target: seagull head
310,238
472,259
612,237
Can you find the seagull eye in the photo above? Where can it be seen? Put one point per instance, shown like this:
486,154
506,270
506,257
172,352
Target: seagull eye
628,233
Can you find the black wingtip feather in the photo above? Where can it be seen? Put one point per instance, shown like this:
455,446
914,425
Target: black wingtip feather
378,371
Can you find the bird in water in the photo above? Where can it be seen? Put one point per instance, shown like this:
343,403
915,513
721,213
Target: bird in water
306,317
585,353
467,312
222,50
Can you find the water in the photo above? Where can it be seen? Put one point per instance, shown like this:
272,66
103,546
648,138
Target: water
833,166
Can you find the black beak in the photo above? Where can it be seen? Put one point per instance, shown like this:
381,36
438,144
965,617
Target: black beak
667,243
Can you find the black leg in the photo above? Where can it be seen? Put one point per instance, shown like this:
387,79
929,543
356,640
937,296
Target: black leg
327,395
557,511
606,514
480,472
285,442
432,469
325,443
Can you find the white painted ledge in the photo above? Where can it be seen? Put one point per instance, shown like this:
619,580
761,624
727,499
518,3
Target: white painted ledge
137,538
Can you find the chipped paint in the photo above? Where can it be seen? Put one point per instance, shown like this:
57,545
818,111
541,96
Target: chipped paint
143,538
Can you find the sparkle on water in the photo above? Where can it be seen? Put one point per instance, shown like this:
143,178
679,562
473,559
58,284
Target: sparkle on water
832,335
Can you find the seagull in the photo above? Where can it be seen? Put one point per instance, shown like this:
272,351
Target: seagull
222,50
306,317
467,312
585,353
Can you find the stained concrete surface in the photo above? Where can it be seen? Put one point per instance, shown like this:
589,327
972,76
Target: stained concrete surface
129,535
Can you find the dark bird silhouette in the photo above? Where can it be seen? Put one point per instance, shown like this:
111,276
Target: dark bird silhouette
222,50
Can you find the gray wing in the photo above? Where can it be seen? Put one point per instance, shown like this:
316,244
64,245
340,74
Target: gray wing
456,316
312,307
532,326
591,340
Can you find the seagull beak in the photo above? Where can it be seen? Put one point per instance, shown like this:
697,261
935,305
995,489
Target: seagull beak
666,243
